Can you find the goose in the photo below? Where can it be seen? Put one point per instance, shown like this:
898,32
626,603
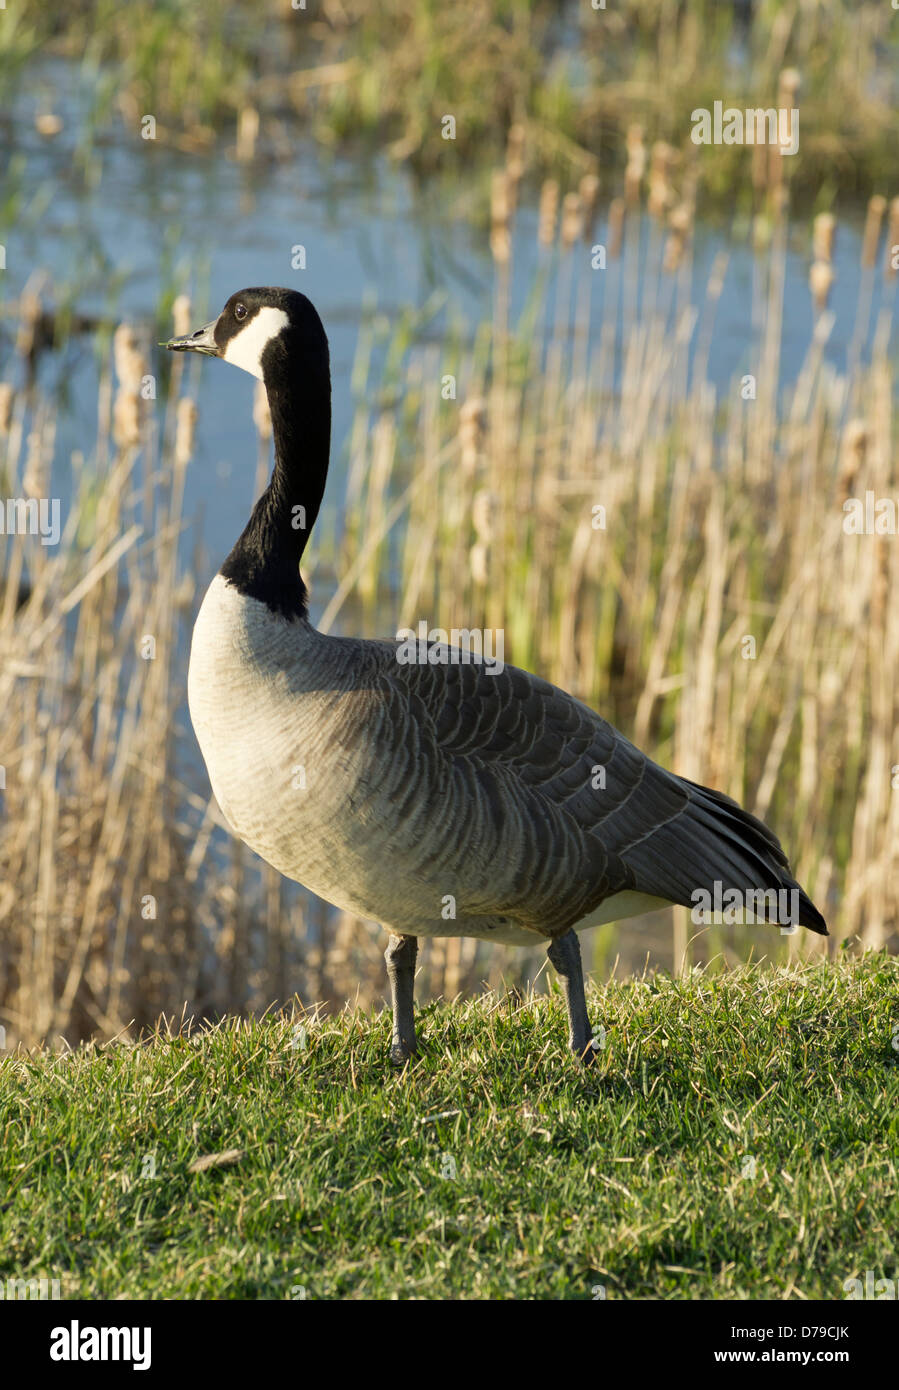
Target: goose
392,788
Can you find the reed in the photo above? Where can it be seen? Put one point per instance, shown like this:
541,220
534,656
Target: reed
719,612
673,555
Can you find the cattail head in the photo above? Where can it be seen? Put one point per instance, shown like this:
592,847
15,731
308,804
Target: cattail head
182,315
483,513
48,124
617,210
877,206
588,189
661,193
788,87
500,214
185,427
855,448
636,164
130,363
472,421
680,224
126,419
130,368
30,310
6,399
247,133
38,461
483,516
515,162
820,279
549,207
823,231
572,220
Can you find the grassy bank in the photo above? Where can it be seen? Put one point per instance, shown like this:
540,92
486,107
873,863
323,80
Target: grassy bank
738,1139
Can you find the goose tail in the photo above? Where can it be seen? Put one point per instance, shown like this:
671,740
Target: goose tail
755,852
714,849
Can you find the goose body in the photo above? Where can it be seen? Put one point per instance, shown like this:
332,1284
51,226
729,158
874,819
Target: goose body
438,798
331,760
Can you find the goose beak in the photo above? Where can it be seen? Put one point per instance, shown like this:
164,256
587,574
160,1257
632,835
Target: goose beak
203,340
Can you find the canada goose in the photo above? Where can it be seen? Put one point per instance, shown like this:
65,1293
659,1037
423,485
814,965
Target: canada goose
423,784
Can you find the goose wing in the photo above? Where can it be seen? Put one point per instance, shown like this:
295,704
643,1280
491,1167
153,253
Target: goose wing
551,810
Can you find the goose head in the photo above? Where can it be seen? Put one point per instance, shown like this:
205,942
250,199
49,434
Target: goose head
276,335
267,331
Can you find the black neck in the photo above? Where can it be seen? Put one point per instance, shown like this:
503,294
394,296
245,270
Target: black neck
265,562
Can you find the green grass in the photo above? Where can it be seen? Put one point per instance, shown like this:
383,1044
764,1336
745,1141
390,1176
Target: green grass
637,1177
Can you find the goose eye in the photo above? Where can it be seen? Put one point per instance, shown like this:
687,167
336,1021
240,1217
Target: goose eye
240,311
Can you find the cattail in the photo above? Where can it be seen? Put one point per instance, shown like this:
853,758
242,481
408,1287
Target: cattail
788,88
7,396
549,207
185,425
262,415
636,164
855,448
680,223
126,419
48,124
820,279
472,419
787,99
36,474
617,211
29,316
130,364
515,156
500,245
660,191
500,211
181,316
892,259
572,220
483,513
130,368
588,189
247,133
823,231
483,517
877,206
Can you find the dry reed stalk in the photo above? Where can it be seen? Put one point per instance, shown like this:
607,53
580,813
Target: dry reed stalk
724,521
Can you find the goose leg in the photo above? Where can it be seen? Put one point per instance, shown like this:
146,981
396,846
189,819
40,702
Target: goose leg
565,954
400,957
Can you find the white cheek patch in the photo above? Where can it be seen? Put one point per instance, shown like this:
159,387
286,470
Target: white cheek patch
245,349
